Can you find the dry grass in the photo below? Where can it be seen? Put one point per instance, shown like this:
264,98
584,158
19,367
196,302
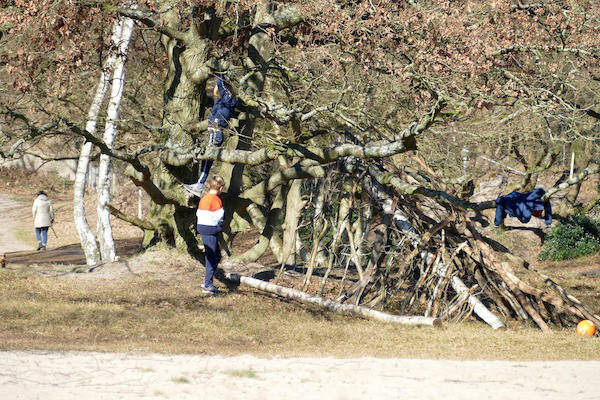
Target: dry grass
154,304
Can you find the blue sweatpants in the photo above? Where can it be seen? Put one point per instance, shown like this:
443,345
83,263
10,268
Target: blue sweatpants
212,255
215,138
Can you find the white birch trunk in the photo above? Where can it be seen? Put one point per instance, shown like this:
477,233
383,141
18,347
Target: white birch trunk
478,308
331,305
86,236
105,236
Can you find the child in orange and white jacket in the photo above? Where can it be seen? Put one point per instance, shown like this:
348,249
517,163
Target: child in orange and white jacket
210,215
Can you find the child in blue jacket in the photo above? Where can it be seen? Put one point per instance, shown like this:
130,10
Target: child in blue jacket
217,120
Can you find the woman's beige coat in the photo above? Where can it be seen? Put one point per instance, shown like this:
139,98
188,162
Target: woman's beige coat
43,213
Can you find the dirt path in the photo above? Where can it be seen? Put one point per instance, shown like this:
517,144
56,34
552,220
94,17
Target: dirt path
81,376
16,217
11,216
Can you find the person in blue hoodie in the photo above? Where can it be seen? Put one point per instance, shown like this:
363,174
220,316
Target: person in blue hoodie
523,206
217,120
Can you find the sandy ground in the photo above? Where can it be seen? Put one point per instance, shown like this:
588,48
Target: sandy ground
80,376
10,211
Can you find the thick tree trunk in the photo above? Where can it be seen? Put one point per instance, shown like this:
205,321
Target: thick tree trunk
294,205
184,94
260,49
86,236
105,236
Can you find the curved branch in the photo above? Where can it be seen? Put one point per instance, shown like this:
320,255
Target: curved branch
403,188
282,18
133,160
278,112
140,223
572,181
34,131
178,158
145,182
558,49
301,170
147,20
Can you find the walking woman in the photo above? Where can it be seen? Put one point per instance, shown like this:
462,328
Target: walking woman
43,217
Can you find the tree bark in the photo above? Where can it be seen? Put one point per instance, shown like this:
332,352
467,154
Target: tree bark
86,236
105,235
294,205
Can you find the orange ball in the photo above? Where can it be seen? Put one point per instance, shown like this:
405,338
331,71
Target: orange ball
586,328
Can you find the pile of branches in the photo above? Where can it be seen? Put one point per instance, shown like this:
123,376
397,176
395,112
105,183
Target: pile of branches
370,242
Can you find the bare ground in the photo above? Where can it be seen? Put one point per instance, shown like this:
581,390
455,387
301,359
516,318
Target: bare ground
11,214
80,375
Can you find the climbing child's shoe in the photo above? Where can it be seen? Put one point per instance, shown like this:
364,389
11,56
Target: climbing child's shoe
195,188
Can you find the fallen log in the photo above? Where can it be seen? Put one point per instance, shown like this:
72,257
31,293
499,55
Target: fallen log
336,307
478,308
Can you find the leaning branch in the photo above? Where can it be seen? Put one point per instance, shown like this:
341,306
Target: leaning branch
178,158
133,160
142,176
557,49
145,182
301,170
572,181
34,131
282,18
403,188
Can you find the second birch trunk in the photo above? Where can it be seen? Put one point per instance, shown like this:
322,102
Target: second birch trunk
86,236
105,236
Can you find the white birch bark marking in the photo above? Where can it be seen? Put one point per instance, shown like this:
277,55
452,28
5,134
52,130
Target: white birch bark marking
478,308
336,307
105,236
86,236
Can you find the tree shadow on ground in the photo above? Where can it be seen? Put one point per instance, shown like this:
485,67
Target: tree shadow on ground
537,231
71,254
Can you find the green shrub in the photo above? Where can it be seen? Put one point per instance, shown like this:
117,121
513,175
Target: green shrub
574,237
